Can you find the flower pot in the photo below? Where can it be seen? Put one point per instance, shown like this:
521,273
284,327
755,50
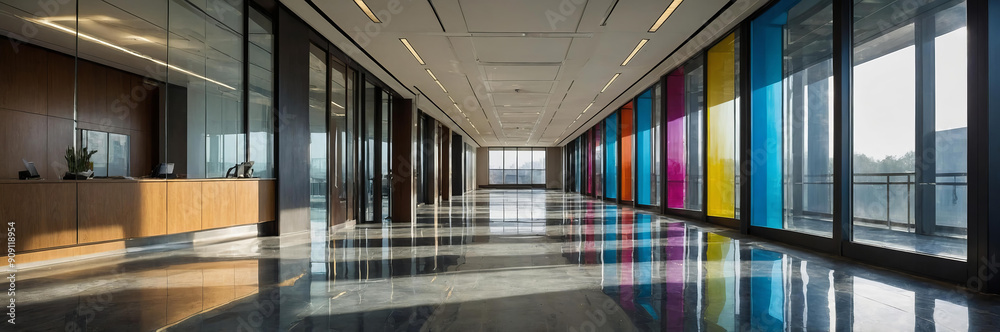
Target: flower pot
78,176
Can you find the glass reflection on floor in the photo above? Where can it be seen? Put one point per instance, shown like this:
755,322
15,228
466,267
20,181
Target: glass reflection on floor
502,260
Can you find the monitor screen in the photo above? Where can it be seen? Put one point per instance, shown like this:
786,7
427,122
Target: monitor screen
30,166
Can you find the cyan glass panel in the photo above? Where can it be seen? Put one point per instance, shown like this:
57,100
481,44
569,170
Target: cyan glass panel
643,147
766,115
611,156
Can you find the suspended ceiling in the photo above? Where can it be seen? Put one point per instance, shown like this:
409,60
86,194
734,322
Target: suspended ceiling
522,72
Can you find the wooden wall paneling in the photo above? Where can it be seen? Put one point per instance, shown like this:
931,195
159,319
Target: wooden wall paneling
117,111
144,97
80,250
62,77
91,102
247,199
107,210
6,52
151,213
266,200
184,206
60,136
219,204
44,214
23,136
141,152
28,93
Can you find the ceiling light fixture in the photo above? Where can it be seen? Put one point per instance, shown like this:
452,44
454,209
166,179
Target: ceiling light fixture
368,11
442,86
452,100
588,107
412,51
666,13
611,81
636,50
432,76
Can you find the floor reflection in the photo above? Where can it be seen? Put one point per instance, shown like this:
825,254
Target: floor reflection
499,260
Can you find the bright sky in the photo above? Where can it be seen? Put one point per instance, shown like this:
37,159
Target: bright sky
885,93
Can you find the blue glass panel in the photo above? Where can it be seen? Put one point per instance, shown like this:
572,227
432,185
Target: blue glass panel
611,156
643,147
766,115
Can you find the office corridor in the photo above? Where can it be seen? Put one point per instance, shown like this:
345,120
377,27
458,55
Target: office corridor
497,260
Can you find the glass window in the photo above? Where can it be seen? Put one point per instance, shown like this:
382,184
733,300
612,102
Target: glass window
721,84
260,78
516,166
685,107
318,94
111,157
611,156
646,180
627,140
792,115
909,187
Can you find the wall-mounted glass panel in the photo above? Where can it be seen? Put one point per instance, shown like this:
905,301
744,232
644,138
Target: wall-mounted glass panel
647,164
627,141
684,112
721,84
340,136
516,166
910,178
260,80
611,156
599,159
318,153
792,112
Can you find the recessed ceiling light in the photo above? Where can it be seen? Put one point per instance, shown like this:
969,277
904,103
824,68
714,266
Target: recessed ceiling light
412,51
636,50
666,13
368,11
452,100
588,107
609,82
432,76
442,86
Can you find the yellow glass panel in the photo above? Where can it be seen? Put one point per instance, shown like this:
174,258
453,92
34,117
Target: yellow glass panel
721,96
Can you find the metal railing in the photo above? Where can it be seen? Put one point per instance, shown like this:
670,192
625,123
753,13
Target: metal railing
890,181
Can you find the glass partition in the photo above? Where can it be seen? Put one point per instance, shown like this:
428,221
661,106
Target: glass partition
647,154
518,166
340,138
910,189
792,111
627,142
685,112
721,85
260,81
318,153
611,156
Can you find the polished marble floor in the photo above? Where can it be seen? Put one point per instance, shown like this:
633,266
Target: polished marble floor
495,260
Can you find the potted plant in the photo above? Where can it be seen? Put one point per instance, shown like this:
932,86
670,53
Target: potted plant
78,162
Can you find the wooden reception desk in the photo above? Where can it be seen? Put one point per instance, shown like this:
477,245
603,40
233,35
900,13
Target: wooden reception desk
55,219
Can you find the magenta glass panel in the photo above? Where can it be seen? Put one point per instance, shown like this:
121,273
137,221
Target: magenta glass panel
676,161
